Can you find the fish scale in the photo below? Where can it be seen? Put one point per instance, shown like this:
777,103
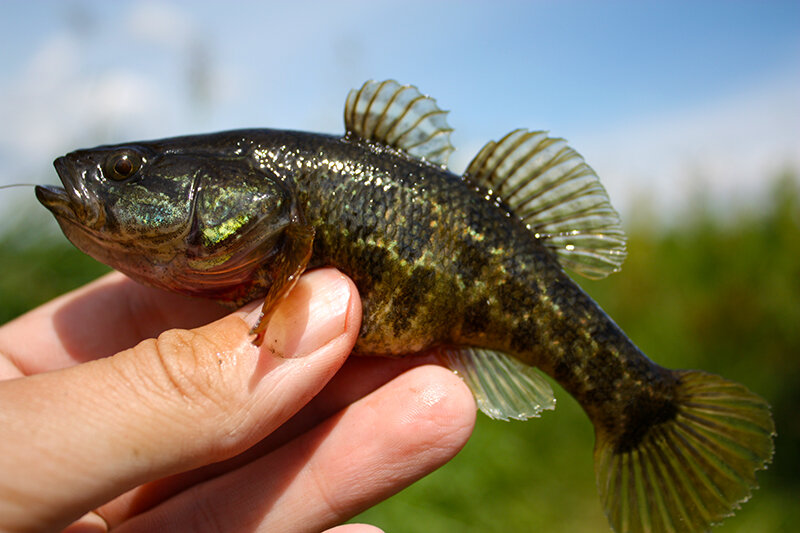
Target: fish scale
469,267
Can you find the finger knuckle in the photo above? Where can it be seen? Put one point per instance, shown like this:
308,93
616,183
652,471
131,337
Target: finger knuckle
188,367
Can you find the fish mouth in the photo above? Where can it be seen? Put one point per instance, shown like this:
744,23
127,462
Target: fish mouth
55,199
73,202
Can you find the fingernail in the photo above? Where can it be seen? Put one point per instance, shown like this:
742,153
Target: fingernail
313,315
252,312
327,312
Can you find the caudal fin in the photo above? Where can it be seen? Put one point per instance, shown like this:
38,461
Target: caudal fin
692,471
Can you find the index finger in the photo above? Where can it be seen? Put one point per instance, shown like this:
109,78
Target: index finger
99,319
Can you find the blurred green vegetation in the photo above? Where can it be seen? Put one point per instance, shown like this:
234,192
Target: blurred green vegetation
37,264
721,294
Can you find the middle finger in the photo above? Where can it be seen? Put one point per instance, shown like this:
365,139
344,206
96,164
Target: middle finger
371,450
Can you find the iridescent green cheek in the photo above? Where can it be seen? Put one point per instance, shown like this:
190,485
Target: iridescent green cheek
213,236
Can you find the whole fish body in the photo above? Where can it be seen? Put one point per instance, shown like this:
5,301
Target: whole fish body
470,266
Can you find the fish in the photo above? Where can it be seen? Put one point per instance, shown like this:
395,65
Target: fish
472,267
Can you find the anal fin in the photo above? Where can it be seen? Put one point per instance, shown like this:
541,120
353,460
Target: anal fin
503,387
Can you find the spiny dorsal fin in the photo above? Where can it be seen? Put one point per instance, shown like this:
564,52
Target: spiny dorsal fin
552,189
503,387
399,116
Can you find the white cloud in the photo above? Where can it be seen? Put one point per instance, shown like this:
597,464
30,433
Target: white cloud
730,150
159,23
57,103
27,121
121,95
66,97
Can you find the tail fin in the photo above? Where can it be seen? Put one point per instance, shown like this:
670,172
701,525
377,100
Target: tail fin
694,470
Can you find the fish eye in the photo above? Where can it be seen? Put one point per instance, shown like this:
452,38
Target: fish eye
123,165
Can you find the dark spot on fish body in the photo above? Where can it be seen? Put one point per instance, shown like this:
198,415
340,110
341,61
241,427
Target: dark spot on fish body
643,413
513,297
522,335
475,317
372,259
470,260
335,247
585,370
409,225
564,369
409,297
623,392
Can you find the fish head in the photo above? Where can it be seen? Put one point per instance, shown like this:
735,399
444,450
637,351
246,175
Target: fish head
174,215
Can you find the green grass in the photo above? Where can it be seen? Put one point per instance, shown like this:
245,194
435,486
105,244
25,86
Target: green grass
36,266
721,296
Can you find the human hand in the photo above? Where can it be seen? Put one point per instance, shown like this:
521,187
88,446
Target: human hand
199,430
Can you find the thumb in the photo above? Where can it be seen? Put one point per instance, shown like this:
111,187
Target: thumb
76,438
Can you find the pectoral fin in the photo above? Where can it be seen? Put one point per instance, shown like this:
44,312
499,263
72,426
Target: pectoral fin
284,271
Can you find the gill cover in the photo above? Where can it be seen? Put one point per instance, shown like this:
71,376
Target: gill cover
247,238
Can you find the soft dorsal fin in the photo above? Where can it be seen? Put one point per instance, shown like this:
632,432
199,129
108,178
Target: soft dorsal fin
399,116
558,196
503,387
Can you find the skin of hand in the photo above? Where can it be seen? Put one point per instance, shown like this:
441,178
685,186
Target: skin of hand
128,408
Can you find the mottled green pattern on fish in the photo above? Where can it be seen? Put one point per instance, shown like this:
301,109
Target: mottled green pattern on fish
469,266
440,262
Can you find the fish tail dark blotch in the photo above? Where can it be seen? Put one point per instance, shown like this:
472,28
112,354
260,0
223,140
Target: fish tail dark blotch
692,464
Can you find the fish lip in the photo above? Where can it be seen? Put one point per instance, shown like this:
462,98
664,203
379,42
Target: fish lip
73,201
56,200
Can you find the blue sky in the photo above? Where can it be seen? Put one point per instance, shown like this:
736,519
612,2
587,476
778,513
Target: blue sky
657,96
